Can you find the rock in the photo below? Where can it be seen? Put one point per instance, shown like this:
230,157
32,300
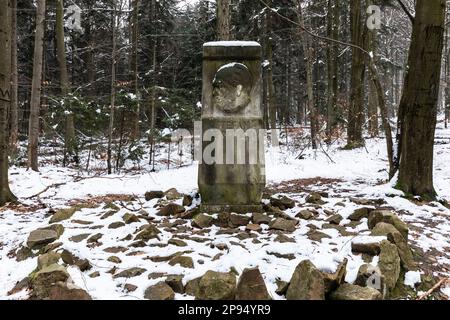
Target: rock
115,249
282,287
70,259
260,218
187,201
108,214
202,221
153,195
58,228
192,287
95,238
64,214
130,218
390,217
171,209
148,232
335,219
282,203
404,251
66,291
333,280
130,273
39,238
251,286
82,222
315,198
48,259
130,287
19,286
79,238
176,283
305,215
44,279
383,229
156,275
306,283
288,256
284,239
315,235
367,244
354,292
389,263
216,286
371,276
94,274
111,206
185,262
116,225
283,224
114,259
177,242
237,220
360,213
253,227
173,194
159,291
23,253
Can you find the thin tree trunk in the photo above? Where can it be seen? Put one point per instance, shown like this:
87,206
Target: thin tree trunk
332,70
418,106
5,99
14,113
33,127
271,101
135,132
223,20
372,103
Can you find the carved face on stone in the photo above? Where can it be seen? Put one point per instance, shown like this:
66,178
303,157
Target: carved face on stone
232,86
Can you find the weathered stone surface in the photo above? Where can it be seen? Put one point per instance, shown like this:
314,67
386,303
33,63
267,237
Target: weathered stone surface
64,214
192,287
184,261
315,198
176,283
367,245
171,209
305,214
116,225
353,292
335,219
95,238
79,237
315,235
202,221
148,232
177,242
153,195
306,283
282,203
94,274
283,224
282,287
360,213
260,218
383,229
284,239
404,251
160,291
216,286
253,227
238,220
44,279
251,286
66,291
187,200
129,218
371,276
173,194
23,253
39,238
71,259
48,259
58,228
389,264
130,273
390,217
333,280
128,287
114,259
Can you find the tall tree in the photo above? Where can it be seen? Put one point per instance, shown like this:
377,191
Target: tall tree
33,124
135,132
270,90
5,98
113,87
14,114
332,70
223,20
418,106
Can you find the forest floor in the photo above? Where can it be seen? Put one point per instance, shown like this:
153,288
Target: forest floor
345,179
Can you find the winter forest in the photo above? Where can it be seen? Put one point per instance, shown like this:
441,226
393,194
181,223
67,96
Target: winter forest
224,150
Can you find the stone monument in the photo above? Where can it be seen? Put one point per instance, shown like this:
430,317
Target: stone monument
232,168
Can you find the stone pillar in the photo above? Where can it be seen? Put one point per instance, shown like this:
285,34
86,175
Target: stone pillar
232,168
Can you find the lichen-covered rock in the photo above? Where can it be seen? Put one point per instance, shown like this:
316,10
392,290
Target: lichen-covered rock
390,217
404,251
216,286
160,291
147,232
251,286
306,283
353,292
192,287
389,263
39,238
42,280
47,259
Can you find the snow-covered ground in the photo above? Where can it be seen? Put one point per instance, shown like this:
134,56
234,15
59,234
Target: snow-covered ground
356,173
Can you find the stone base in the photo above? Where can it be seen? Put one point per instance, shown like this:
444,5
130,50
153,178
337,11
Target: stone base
236,208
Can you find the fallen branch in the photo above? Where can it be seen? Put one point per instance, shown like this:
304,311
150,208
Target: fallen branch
435,288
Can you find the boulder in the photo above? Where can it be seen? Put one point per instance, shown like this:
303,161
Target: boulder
159,291
153,195
305,214
173,194
130,273
238,220
71,259
147,232
251,286
315,235
333,280
353,292
184,261
389,263
58,228
192,287
39,238
67,291
283,224
335,219
171,209
129,218
114,259
216,286
404,251
42,280
367,244
282,287
390,217
314,198
307,283
260,218
176,283
282,203
48,259
23,253
202,221
64,214
359,214
253,227
383,229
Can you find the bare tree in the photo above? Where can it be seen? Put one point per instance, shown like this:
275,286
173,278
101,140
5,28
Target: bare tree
223,20
14,113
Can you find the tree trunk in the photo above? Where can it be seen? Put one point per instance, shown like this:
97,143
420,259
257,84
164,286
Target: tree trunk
223,20
14,114
332,69
135,132
418,106
33,126
373,105
355,114
5,98
271,101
